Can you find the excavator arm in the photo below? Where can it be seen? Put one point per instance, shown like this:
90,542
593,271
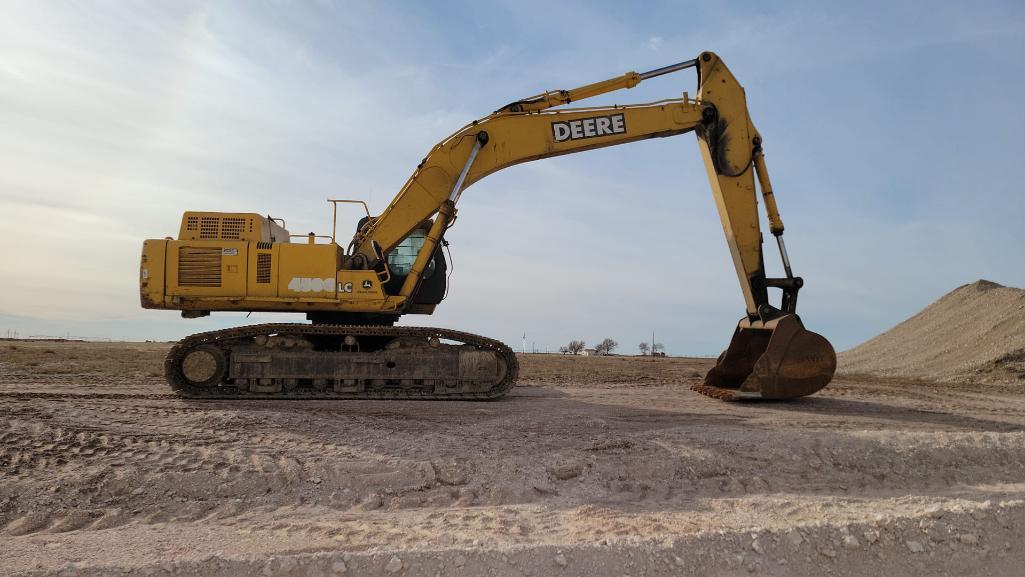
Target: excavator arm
528,130
771,355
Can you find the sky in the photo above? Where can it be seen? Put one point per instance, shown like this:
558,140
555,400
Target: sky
892,132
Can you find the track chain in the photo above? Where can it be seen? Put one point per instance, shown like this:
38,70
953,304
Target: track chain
220,337
76,396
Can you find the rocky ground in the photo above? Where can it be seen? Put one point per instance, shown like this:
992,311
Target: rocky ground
592,466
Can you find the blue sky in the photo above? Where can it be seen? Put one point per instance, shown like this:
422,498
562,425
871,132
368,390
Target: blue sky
892,132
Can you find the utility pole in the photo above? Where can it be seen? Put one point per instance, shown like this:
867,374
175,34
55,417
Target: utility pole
524,349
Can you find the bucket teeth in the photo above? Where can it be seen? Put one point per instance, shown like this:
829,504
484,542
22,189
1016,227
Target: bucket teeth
716,392
779,360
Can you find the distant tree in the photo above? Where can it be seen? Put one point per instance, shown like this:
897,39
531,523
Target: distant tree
644,347
605,347
564,350
575,347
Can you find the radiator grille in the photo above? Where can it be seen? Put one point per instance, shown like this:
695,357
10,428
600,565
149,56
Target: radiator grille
199,266
263,267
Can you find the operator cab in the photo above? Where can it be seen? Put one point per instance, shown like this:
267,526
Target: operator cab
431,289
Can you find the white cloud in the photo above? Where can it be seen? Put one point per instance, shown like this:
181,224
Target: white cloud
655,42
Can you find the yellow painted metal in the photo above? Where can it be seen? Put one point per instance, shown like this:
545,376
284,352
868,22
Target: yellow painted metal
726,147
151,274
298,262
298,278
366,287
206,267
264,268
235,225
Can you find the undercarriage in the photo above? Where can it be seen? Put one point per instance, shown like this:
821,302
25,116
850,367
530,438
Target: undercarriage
305,361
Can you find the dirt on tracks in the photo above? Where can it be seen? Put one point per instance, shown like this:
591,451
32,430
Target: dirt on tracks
591,466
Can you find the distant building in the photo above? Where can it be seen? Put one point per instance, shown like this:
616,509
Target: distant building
589,353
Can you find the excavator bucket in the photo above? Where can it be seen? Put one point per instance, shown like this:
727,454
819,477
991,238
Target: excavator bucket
781,360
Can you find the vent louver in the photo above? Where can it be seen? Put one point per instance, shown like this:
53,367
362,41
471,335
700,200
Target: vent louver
263,262
209,227
231,227
226,228
221,226
199,266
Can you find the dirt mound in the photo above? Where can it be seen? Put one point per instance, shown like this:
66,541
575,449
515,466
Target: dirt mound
975,332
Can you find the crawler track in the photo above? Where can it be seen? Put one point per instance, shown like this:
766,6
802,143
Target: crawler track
227,340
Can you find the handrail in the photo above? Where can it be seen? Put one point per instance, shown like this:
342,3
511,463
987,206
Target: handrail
311,236
334,212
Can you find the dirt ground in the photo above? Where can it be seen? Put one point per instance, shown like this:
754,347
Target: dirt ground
591,466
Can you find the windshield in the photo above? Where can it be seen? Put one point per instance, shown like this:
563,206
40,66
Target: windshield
400,259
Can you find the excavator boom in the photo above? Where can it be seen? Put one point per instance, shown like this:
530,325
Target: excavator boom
771,355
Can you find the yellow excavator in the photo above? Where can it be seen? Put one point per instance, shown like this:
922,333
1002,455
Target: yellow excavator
395,265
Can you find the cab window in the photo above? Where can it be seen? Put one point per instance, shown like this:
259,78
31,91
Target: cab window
400,259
